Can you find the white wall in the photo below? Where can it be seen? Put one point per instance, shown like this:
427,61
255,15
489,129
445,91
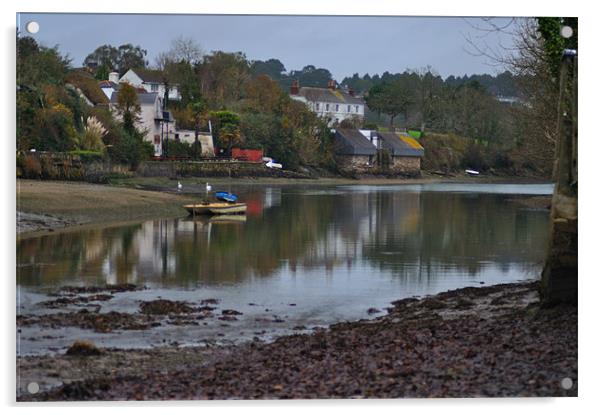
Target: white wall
344,111
133,79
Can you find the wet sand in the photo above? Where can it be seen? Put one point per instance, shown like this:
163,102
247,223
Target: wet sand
492,341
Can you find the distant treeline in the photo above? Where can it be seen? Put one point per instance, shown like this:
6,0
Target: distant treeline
503,84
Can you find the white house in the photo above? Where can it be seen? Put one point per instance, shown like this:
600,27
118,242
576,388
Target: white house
152,81
334,104
157,125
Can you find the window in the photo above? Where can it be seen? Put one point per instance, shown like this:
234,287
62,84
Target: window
348,108
336,108
317,106
327,107
357,108
154,87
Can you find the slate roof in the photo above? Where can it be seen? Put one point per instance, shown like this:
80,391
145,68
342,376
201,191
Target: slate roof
352,143
143,97
151,76
107,84
401,145
328,95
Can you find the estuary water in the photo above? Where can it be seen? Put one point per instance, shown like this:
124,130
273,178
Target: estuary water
303,256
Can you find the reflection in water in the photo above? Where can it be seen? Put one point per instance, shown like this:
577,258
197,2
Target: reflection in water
413,236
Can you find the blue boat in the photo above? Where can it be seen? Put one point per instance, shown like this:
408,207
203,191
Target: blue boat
226,196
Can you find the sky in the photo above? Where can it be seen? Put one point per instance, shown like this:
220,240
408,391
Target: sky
344,45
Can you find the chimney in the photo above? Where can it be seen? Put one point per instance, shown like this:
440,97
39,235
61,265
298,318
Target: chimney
351,92
295,87
331,84
114,77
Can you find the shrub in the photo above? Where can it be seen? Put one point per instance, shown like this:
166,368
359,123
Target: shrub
175,148
88,156
32,169
91,137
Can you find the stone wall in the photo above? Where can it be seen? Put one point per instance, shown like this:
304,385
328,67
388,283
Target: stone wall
66,166
355,163
405,165
212,169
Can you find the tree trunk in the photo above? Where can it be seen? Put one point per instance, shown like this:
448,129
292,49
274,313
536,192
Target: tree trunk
559,277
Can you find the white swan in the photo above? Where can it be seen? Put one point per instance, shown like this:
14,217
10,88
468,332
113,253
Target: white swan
208,187
179,187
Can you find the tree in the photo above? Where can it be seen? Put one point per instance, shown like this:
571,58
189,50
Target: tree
105,55
222,77
128,107
131,56
263,94
185,50
226,127
392,98
102,73
272,68
121,59
199,111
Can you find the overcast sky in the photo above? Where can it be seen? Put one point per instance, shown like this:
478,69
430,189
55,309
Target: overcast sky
343,45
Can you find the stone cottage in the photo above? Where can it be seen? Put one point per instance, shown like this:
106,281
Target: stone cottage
353,152
404,152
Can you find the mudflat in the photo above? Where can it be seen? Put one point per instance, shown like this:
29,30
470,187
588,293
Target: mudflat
472,342
49,205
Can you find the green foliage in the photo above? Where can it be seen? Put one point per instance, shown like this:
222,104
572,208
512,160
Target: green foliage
553,42
56,129
224,76
128,107
120,58
88,156
102,73
131,149
37,66
272,68
178,149
392,98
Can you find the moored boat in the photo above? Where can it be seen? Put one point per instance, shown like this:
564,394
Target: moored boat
218,208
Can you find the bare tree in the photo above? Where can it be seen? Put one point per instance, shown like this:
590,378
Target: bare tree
182,49
535,118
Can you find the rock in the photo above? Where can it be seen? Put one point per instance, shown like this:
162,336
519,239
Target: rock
83,348
373,310
165,307
231,313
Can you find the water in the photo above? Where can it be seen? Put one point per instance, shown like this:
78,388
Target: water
333,252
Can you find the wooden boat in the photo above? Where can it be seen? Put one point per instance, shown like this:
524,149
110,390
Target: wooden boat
219,208
229,209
